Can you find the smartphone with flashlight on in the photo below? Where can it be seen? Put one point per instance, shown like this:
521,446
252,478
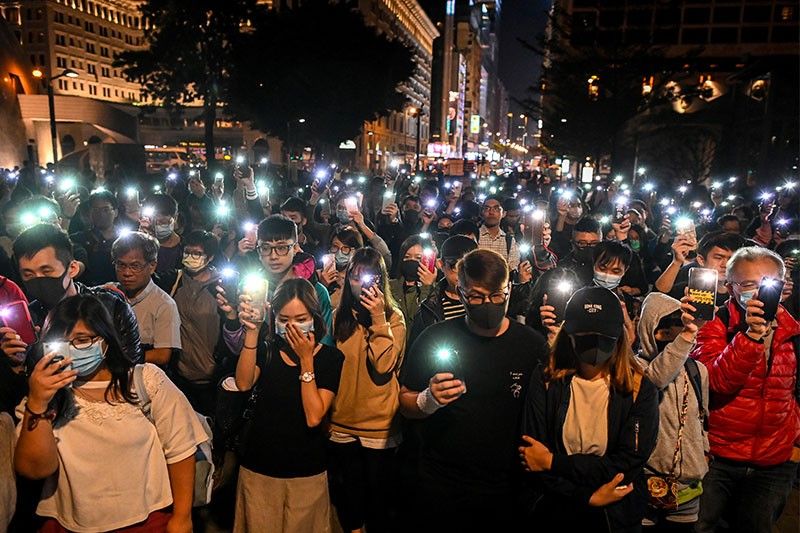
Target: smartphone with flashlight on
769,293
250,231
685,226
16,316
328,260
447,360
620,210
368,281
219,180
229,282
388,199
430,207
256,286
351,204
429,259
457,185
558,294
538,219
703,291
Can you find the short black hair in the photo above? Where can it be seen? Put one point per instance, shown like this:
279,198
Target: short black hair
277,228
485,268
293,204
163,205
41,236
607,252
510,204
720,239
204,240
587,224
411,198
465,227
728,218
103,196
136,240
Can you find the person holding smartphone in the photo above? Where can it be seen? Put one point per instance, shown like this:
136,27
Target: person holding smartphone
370,331
753,420
416,280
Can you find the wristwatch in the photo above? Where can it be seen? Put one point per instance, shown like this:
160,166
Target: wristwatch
307,377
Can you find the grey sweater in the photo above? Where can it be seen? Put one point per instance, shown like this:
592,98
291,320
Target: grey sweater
667,373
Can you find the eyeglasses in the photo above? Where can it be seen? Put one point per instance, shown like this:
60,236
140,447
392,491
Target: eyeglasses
82,343
281,249
478,299
136,268
194,255
344,249
493,208
746,285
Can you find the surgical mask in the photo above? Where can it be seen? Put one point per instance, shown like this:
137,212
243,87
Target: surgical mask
163,231
341,259
607,281
343,216
746,296
583,255
410,270
194,265
86,361
635,245
593,349
305,327
48,291
486,315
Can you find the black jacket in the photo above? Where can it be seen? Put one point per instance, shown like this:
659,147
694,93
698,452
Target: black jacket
429,313
566,488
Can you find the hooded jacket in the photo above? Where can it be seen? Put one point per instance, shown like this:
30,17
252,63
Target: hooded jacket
754,416
667,372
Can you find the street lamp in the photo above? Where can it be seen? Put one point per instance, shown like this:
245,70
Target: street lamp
39,74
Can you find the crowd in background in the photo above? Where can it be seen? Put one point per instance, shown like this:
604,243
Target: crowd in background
403,352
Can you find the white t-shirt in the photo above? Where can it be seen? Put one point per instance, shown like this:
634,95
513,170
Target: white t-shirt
112,461
586,426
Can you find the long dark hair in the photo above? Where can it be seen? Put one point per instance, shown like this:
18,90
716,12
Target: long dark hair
87,308
350,312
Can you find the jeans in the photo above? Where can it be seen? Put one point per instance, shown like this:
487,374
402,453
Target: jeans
754,496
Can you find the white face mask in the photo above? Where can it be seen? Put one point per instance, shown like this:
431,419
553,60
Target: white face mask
607,281
306,327
163,231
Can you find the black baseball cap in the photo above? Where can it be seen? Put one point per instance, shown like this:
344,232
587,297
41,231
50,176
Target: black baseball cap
457,246
594,310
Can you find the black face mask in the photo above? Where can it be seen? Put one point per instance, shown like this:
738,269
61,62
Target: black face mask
486,315
410,217
662,345
593,349
410,270
48,291
583,255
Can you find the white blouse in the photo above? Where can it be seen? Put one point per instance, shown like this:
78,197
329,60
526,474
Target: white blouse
112,461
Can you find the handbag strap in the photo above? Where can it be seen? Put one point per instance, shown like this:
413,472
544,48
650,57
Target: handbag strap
681,425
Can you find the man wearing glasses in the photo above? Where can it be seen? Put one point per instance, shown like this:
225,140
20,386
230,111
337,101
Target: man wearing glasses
95,243
492,237
754,415
135,258
276,249
466,379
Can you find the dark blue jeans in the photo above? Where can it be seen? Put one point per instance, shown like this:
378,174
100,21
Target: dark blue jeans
754,496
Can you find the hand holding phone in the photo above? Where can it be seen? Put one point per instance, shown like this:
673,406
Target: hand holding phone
16,316
769,293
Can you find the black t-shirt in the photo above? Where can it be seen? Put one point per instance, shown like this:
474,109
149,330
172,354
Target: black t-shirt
474,439
280,443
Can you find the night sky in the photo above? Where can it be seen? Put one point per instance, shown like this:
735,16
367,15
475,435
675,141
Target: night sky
519,68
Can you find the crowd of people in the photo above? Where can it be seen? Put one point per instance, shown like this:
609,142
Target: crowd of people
403,352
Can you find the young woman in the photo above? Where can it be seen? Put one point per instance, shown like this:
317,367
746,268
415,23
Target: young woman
415,281
591,422
344,242
283,484
106,466
369,329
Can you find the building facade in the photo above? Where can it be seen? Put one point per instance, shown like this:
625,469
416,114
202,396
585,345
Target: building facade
393,137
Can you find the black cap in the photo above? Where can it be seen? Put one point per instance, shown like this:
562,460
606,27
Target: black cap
457,246
594,310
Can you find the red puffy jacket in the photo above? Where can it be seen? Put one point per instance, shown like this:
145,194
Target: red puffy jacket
754,416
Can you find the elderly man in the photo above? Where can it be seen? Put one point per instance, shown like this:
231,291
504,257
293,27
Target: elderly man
754,419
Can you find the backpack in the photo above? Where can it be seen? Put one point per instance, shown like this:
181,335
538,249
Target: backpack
204,464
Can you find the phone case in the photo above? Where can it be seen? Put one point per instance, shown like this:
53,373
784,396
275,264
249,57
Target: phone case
703,291
17,317
769,293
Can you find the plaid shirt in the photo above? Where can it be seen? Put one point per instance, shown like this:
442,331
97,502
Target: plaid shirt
498,244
